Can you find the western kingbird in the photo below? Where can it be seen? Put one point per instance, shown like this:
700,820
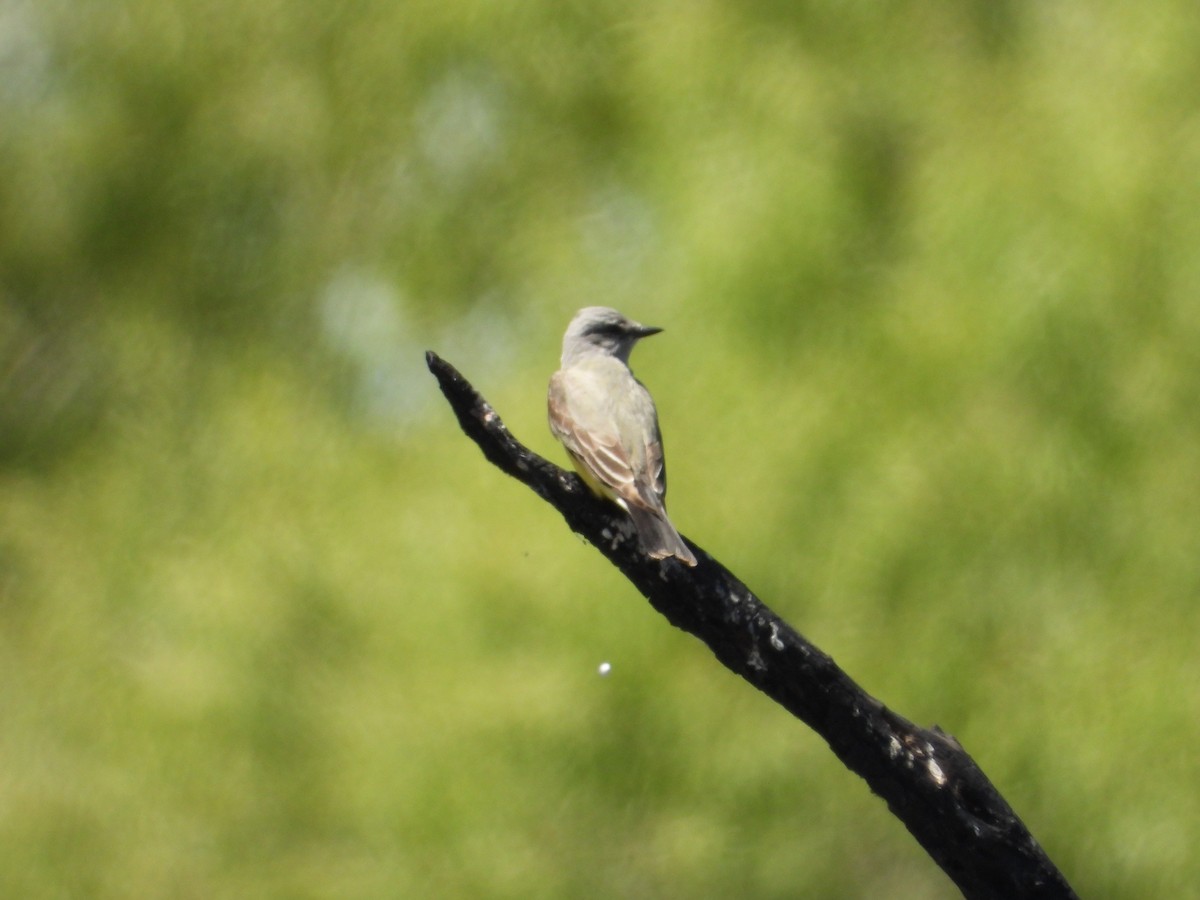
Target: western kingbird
607,421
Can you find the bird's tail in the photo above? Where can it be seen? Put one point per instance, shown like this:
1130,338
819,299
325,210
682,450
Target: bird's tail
659,537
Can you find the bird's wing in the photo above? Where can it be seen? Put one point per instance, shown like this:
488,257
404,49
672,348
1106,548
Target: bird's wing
599,450
656,467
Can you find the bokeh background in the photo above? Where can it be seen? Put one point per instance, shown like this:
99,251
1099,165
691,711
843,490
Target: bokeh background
271,627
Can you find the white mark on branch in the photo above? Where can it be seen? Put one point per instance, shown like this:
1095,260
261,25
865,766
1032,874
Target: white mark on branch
776,643
935,771
756,661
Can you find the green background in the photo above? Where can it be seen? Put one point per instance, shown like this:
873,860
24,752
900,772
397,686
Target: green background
271,627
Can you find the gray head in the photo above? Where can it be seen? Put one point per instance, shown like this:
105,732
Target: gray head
600,330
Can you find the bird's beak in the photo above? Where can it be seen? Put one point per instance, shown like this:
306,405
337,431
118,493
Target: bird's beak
646,330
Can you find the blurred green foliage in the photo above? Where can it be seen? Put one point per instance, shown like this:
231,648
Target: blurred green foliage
270,627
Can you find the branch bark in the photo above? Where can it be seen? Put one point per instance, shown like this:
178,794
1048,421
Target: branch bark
926,778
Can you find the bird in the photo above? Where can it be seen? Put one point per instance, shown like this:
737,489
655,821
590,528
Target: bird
606,420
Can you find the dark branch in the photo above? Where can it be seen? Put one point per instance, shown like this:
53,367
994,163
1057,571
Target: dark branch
928,781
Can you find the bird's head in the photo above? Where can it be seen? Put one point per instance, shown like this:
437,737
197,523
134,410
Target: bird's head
599,329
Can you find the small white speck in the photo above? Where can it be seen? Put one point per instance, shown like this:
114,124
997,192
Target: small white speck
935,771
894,748
603,669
